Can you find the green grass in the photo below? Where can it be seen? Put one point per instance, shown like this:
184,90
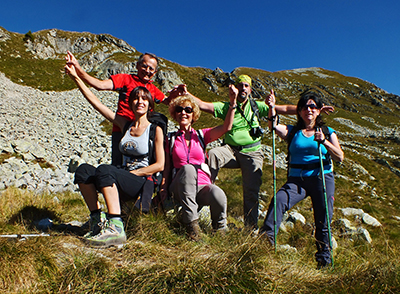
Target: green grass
159,259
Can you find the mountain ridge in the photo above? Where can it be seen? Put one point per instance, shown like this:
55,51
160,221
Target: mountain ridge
363,110
48,128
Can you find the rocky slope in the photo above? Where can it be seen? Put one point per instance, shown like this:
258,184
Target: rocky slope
60,126
47,127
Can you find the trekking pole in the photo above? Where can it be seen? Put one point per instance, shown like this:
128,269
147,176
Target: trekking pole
326,200
21,236
274,175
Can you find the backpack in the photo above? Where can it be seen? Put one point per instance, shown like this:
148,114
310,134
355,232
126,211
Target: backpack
289,139
153,182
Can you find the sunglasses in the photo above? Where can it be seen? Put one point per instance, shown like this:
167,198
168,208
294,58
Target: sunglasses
187,109
311,106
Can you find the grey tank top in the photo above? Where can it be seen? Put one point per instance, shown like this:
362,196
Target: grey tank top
135,150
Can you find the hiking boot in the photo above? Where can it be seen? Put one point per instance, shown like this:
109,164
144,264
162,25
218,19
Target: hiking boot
95,224
220,229
193,230
111,234
323,265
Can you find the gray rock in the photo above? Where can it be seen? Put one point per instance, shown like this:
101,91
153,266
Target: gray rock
369,220
364,235
351,211
296,217
349,231
4,36
345,225
168,78
286,248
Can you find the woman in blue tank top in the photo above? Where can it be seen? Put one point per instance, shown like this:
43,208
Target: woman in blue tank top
304,170
118,183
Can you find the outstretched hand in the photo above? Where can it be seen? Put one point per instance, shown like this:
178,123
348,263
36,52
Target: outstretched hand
233,93
70,70
71,60
178,90
327,109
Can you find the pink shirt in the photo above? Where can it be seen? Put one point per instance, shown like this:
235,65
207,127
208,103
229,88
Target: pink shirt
193,154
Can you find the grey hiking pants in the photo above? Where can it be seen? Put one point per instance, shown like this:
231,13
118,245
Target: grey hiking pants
193,197
250,163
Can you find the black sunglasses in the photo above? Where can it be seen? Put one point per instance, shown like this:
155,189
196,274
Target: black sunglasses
187,109
311,106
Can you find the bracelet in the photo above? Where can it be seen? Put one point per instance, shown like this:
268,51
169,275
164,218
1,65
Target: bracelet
233,106
323,141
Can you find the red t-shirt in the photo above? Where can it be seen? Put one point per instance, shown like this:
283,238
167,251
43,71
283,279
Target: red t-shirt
124,84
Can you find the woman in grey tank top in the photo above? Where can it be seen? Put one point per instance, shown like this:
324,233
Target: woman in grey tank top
115,183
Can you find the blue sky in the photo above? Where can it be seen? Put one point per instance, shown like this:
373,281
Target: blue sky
359,38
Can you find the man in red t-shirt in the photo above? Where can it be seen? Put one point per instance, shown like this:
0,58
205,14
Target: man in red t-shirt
146,66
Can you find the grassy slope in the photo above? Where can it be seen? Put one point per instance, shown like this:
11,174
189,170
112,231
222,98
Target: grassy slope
158,256
159,259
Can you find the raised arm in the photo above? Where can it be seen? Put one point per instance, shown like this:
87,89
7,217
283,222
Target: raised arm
204,106
280,129
286,109
93,100
91,81
292,109
218,131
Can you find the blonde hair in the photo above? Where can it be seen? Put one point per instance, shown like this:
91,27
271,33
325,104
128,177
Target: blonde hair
179,101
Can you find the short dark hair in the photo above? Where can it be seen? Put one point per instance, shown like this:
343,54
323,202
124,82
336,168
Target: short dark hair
151,55
147,95
314,95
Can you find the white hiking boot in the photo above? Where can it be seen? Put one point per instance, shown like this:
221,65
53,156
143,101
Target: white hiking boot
111,234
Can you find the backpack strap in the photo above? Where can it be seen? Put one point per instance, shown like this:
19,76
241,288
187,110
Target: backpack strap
126,127
255,110
152,137
200,135
152,181
171,139
172,136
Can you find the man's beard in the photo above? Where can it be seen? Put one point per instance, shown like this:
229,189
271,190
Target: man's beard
243,95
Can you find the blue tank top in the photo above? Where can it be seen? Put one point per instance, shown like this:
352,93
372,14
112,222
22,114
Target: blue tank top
304,150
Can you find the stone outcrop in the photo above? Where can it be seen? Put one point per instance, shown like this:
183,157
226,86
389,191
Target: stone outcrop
42,131
44,136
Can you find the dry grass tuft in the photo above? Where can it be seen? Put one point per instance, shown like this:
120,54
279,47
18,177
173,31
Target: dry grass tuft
159,259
